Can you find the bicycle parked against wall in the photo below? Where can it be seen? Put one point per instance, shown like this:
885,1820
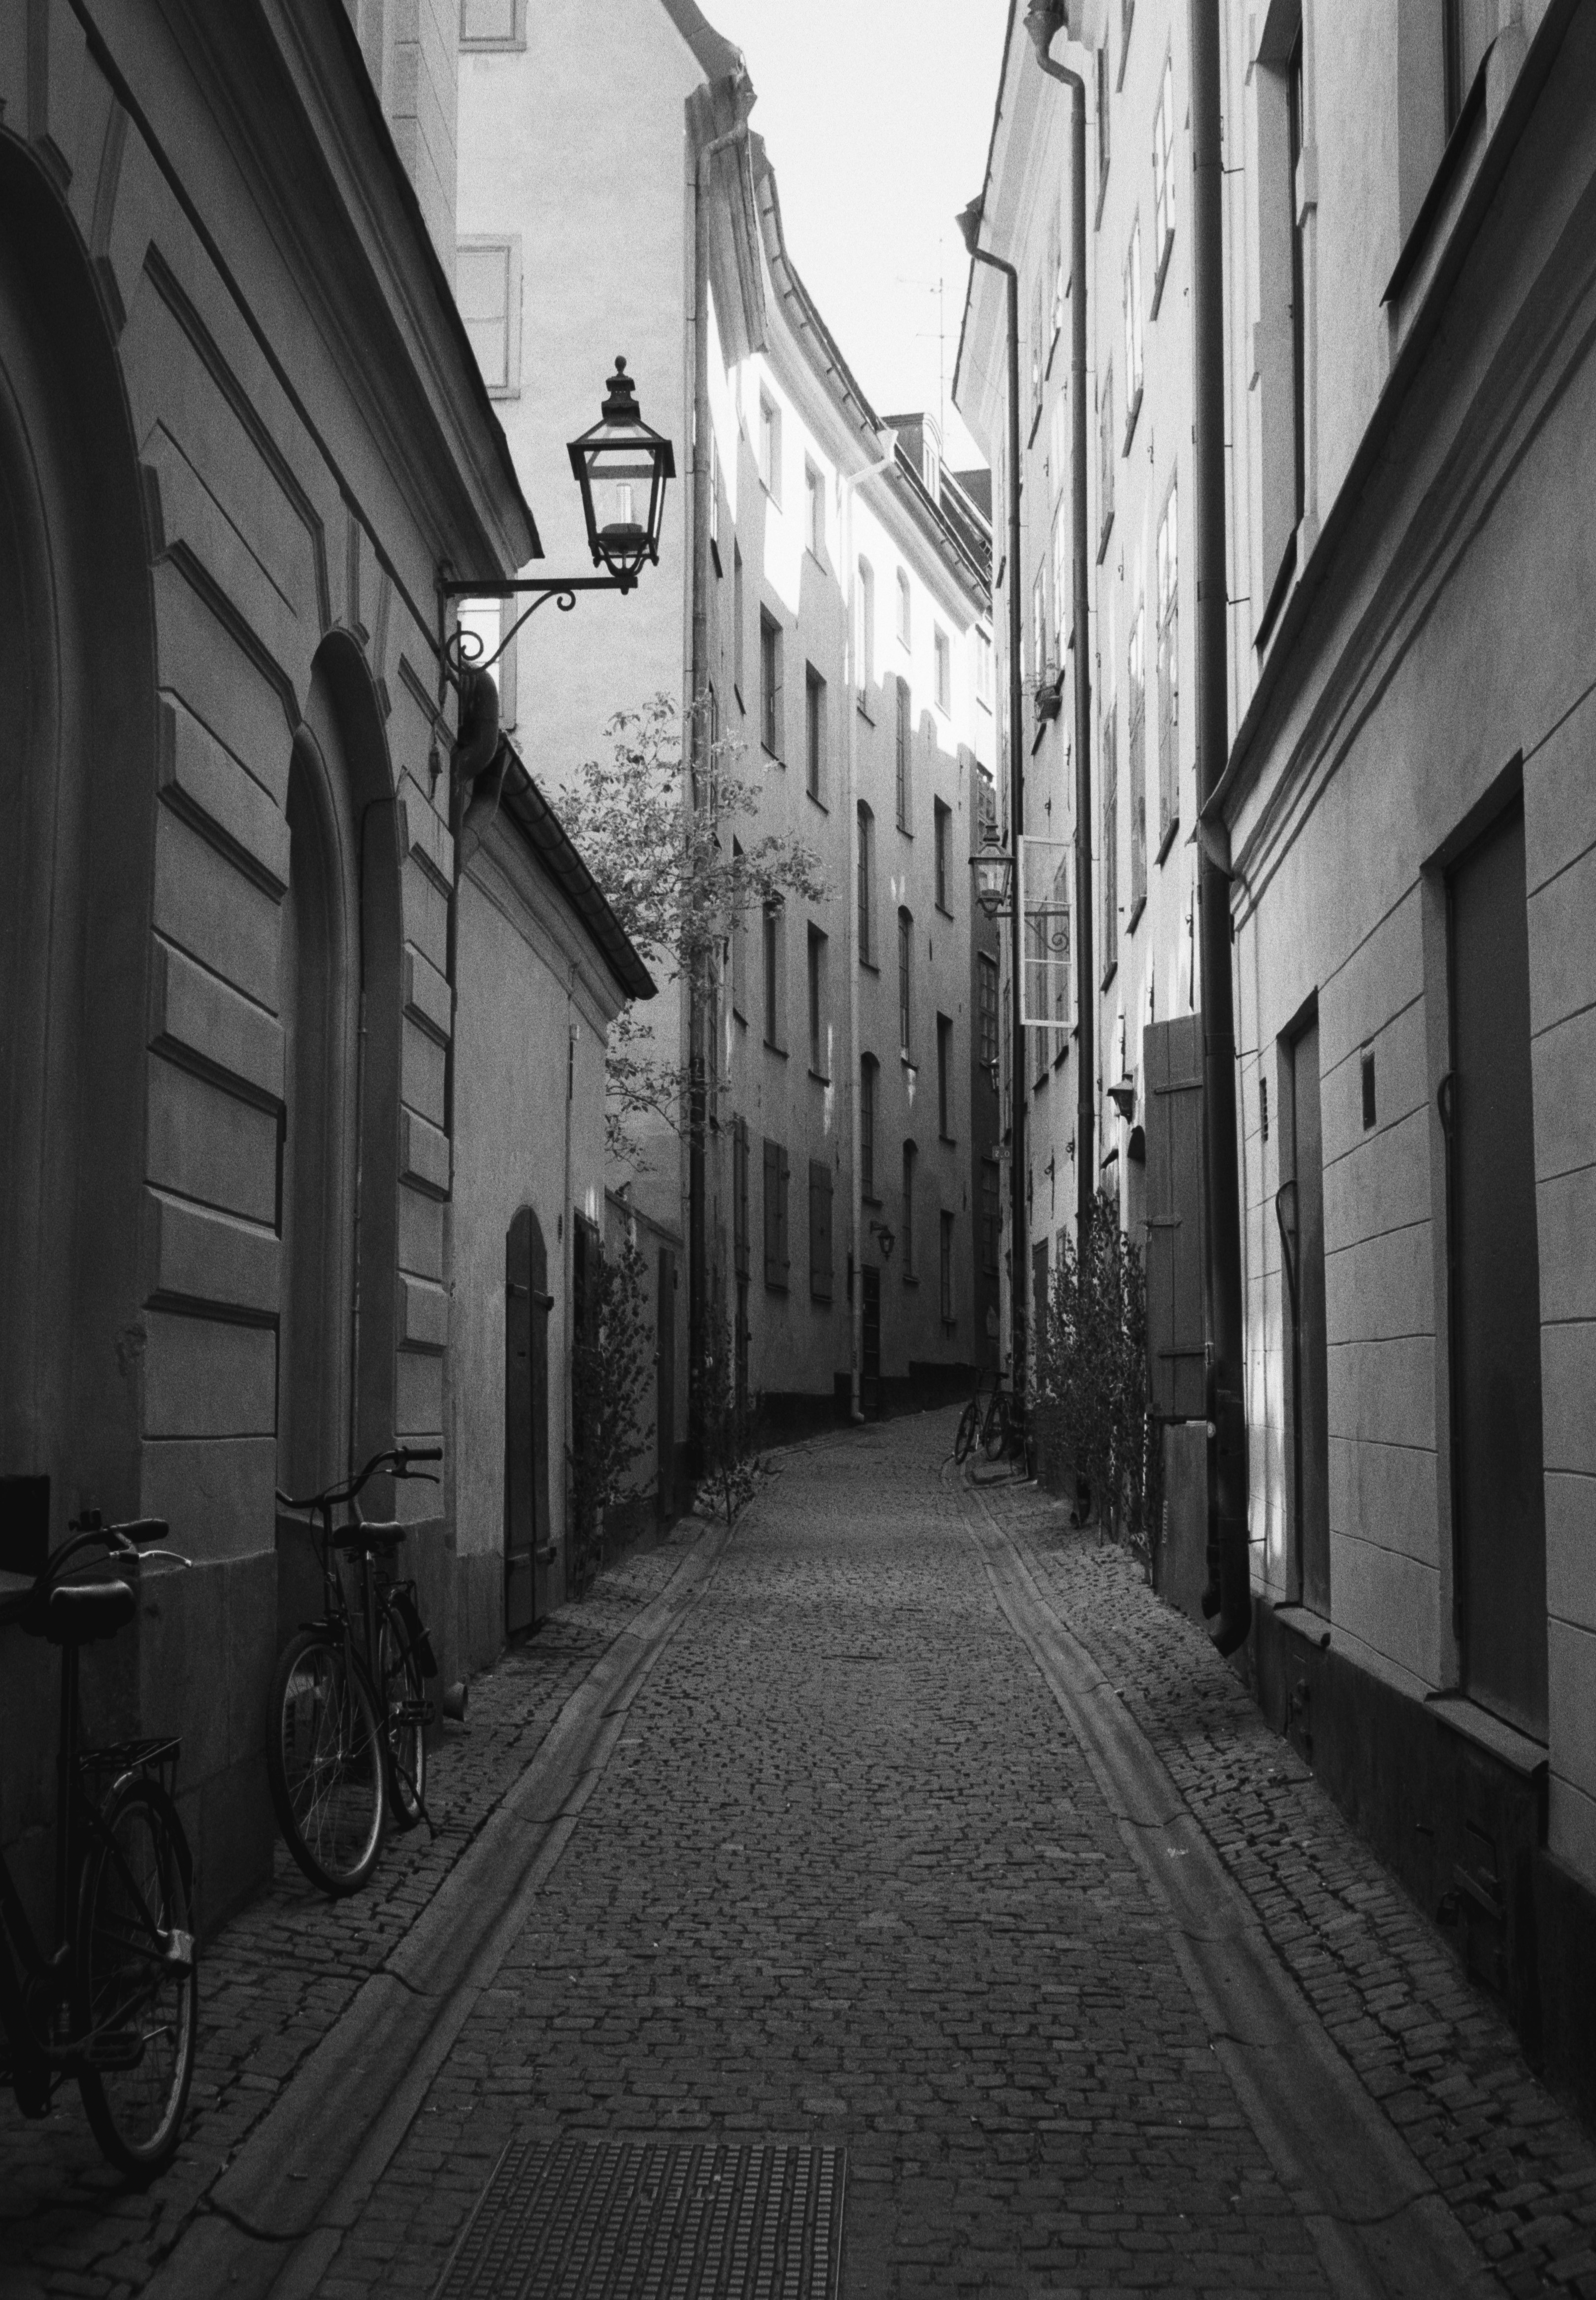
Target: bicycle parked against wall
346,1746
996,1422
115,2004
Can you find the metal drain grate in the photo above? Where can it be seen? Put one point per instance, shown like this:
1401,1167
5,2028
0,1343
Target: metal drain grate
601,2219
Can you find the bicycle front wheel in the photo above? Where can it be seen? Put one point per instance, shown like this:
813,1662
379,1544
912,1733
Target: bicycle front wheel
138,1979
324,1759
994,1436
969,1422
405,1722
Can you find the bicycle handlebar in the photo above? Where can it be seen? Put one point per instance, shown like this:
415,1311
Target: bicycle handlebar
137,1538
396,1458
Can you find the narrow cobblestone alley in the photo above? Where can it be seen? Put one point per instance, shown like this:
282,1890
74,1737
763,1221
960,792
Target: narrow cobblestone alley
849,1877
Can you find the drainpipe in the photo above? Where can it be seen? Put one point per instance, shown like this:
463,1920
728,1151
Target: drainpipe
698,1242
851,483
1229,1592
970,224
1045,19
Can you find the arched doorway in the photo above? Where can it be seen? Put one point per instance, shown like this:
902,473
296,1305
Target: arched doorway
527,1305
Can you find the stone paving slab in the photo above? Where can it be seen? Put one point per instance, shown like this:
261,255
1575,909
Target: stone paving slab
280,1973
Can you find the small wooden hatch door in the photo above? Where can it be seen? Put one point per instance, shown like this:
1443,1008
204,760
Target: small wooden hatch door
527,1305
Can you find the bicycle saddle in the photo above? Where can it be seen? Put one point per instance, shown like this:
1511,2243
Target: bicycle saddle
78,1612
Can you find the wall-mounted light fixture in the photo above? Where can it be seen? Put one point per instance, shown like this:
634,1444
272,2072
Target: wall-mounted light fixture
994,867
882,1233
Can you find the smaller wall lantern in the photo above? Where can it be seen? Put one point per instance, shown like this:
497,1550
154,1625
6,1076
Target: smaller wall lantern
994,867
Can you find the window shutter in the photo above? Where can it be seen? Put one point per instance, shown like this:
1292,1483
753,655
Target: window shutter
740,1195
772,1215
820,1229
1172,1068
783,1178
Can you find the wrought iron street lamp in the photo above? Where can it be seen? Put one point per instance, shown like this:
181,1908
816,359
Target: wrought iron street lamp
621,467
994,867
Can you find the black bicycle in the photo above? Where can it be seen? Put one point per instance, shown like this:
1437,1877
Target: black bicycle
995,1421
115,2004
346,1742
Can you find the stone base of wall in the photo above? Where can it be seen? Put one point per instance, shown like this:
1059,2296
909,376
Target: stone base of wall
1462,1827
1180,1547
1566,1952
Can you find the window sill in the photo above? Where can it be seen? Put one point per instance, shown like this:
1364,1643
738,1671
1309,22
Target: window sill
867,1199
815,799
715,556
1036,424
1109,972
1167,836
1103,186
869,965
772,1048
863,709
1137,907
820,1078
1134,411
823,1299
948,1141
910,1277
942,910
738,1016
776,1285
775,757
737,691
905,831
1104,533
1447,170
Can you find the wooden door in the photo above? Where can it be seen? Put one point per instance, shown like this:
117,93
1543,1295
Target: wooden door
1499,1496
1177,1319
1301,1205
869,1366
527,1305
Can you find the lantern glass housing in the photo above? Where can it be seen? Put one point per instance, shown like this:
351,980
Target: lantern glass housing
621,467
994,869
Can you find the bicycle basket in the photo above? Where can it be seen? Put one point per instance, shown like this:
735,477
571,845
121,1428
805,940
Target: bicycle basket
403,1598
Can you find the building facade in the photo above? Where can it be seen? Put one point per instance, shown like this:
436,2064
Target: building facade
243,432
1407,395
858,724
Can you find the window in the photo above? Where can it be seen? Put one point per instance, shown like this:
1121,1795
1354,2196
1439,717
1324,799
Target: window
1102,123
1163,182
740,1196
905,611
777,1258
1055,266
987,1013
945,1274
739,952
1058,445
983,669
814,511
1127,9
1038,348
942,656
1060,578
489,621
991,1216
1133,330
1109,770
770,684
943,820
487,287
774,923
1169,675
820,1048
910,1271
814,733
493,23
905,966
944,1076
770,448
867,874
1136,760
905,776
1006,1044
867,1070
865,638
737,626
986,800
1040,665
1105,461
820,1230
1293,81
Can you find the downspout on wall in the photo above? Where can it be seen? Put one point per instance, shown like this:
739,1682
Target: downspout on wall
1045,19
1229,1592
970,224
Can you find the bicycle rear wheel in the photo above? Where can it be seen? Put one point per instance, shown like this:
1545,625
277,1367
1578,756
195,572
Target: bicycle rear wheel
137,1979
405,1722
969,1422
995,1433
324,1759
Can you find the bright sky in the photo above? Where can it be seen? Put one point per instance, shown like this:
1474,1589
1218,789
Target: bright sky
877,115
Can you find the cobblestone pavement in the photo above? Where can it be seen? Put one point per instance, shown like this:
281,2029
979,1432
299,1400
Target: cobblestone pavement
847,1876
1519,2173
280,1973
